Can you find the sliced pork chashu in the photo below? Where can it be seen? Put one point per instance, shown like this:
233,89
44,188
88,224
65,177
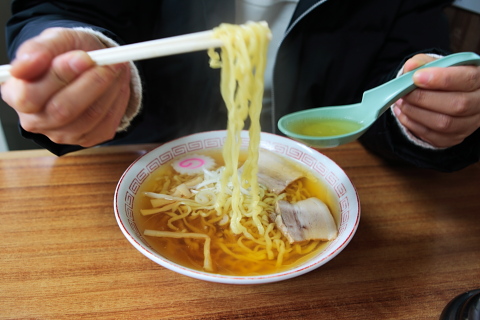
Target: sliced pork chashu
309,219
275,172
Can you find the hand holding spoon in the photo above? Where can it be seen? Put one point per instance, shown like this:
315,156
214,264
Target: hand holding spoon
349,122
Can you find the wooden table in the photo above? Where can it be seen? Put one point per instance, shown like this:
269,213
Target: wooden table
62,255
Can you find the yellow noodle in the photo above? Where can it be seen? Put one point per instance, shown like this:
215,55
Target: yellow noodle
243,66
206,248
160,202
268,241
238,256
281,251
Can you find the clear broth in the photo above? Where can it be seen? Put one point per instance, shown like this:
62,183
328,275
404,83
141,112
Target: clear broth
324,127
189,253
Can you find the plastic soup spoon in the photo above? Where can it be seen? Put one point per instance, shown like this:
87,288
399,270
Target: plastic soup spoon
327,127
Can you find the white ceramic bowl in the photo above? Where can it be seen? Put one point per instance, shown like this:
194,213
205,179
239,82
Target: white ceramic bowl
324,168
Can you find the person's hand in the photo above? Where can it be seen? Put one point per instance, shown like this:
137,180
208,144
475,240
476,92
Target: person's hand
58,91
445,108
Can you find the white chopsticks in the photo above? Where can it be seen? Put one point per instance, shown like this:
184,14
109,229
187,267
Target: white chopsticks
4,73
145,50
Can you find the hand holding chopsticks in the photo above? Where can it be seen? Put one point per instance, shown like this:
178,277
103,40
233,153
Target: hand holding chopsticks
81,97
145,50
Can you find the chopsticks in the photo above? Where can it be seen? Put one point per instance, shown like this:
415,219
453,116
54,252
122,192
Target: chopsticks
145,50
4,73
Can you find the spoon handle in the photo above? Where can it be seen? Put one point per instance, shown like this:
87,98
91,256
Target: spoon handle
384,95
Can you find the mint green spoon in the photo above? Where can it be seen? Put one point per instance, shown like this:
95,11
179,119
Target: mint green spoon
349,122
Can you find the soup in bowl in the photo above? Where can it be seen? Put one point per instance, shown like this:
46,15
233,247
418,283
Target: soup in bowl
167,204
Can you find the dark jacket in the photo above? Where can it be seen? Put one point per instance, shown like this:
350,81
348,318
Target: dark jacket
332,51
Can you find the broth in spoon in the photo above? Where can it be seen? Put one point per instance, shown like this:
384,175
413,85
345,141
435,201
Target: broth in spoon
324,127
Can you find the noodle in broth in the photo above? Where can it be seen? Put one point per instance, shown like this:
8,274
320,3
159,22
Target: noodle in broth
231,254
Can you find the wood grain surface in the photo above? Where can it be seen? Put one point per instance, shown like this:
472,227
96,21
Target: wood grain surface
62,255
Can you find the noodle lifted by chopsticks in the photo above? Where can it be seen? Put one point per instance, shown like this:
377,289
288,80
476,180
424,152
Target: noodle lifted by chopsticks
242,60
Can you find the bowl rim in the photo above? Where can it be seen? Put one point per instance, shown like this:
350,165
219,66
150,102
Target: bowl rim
266,142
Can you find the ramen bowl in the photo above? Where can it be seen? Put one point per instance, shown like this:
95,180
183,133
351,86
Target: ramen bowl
321,167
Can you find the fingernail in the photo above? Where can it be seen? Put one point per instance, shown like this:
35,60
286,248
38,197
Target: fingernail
422,77
24,60
79,62
24,57
397,111
119,68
